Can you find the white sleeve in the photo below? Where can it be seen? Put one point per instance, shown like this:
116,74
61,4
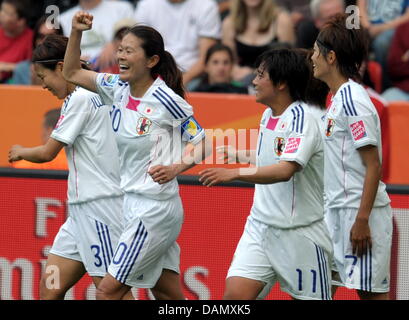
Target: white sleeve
106,83
73,119
210,22
176,109
363,128
301,145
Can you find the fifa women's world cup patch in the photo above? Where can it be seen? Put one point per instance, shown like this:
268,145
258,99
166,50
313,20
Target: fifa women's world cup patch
190,129
358,130
330,127
108,80
279,144
143,126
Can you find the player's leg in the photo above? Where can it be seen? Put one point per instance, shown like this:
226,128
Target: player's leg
59,276
365,295
168,286
111,289
240,288
250,269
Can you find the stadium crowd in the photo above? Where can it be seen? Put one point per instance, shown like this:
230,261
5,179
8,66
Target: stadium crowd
248,28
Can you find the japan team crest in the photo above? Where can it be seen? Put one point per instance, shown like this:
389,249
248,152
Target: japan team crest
330,127
279,144
143,126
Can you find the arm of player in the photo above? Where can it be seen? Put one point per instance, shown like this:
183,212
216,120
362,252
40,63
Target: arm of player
360,235
44,153
229,154
72,70
195,155
280,172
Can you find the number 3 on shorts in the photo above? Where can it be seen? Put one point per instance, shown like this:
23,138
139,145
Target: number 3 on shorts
98,261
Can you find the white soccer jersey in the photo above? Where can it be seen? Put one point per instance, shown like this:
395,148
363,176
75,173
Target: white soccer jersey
150,130
293,136
350,123
85,127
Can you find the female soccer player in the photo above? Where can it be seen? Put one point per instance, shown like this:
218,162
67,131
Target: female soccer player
285,238
153,123
85,242
358,211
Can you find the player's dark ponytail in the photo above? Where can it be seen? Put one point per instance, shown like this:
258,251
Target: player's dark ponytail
166,68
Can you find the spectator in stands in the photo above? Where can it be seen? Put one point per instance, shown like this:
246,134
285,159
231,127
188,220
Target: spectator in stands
250,29
218,68
398,65
23,73
298,9
381,18
60,161
321,12
97,42
189,28
15,37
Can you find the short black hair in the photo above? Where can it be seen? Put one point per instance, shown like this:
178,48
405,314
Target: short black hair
286,66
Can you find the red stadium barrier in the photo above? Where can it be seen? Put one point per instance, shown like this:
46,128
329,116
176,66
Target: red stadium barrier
32,208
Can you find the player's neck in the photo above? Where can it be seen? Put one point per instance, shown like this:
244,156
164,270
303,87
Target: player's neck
280,104
139,88
335,82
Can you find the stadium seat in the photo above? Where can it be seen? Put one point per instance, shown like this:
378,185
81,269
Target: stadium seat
375,74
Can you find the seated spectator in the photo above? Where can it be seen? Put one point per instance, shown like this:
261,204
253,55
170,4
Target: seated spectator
60,162
381,18
106,14
321,11
23,73
250,29
218,67
298,9
189,28
16,39
398,65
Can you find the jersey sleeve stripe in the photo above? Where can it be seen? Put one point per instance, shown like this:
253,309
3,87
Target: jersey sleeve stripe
161,100
173,102
344,104
352,102
302,118
298,119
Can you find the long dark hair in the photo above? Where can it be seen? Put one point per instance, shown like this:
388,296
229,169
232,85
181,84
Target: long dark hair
166,68
51,51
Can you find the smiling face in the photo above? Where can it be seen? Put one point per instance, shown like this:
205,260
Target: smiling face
319,63
133,63
265,90
51,80
219,67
